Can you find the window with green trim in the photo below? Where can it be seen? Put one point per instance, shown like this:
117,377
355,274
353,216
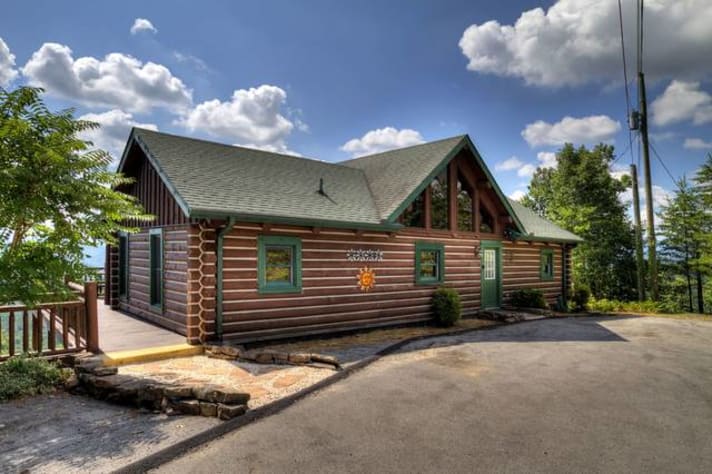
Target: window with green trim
155,253
429,263
279,264
123,265
547,264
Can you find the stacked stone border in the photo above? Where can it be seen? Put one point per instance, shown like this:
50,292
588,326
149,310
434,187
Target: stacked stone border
105,383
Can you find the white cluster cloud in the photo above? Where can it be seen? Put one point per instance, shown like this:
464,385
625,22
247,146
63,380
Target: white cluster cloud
524,170
382,139
682,101
142,24
118,80
7,65
661,197
584,130
697,144
517,195
547,159
509,164
115,127
251,117
578,41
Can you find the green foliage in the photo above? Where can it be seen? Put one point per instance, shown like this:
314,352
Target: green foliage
57,196
581,196
684,228
580,297
528,298
446,306
615,306
26,376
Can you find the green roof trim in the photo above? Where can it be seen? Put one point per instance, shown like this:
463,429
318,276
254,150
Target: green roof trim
217,181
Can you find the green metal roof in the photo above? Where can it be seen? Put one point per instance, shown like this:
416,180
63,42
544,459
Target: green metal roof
213,180
538,228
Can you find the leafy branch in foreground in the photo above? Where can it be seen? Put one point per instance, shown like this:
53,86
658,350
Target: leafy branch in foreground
57,196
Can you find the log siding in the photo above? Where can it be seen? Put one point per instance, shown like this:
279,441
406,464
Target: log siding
172,314
331,299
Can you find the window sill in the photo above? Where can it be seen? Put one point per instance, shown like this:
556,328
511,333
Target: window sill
276,291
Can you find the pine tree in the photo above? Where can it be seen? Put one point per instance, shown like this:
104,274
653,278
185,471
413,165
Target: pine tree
681,222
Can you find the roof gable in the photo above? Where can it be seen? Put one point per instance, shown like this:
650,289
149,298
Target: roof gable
397,177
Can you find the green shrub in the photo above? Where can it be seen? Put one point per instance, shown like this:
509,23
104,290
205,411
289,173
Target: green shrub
613,306
528,298
25,376
446,306
579,298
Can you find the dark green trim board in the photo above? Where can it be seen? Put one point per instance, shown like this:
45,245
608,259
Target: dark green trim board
545,255
219,277
433,247
156,270
496,245
265,287
264,218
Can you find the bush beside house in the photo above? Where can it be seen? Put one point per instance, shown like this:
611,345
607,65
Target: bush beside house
446,306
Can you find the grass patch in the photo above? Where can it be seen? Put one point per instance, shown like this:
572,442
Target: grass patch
26,376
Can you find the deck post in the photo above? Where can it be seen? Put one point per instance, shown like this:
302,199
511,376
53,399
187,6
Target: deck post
92,316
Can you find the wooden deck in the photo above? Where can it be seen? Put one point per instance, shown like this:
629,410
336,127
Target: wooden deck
121,332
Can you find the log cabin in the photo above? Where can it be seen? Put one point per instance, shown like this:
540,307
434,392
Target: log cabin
250,245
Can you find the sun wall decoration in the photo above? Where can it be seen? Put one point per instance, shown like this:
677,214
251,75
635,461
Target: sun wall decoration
366,278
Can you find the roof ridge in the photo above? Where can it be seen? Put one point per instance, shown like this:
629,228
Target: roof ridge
350,160
239,147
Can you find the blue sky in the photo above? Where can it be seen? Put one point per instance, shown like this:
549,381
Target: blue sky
315,77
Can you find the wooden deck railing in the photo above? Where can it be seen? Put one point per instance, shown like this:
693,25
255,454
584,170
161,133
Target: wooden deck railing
51,328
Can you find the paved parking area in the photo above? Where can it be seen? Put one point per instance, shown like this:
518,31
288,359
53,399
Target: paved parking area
559,395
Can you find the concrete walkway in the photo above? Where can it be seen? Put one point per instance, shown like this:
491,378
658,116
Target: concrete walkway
120,332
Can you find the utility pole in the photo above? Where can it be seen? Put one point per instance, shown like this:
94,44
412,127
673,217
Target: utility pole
650,214
643,127
640,263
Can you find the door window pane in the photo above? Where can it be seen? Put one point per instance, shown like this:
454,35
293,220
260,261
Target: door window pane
490,261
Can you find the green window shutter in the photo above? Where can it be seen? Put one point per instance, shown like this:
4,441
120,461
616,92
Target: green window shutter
279,264
429,263
155,244
547,264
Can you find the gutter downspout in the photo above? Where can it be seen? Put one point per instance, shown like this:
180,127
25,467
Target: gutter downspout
220,238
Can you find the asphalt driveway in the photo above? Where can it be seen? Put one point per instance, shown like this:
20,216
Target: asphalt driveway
567,395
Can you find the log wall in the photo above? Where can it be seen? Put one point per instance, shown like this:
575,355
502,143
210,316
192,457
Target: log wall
175,279
331,299
521,262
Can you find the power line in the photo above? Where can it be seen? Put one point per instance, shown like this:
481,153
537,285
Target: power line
625,79
657,155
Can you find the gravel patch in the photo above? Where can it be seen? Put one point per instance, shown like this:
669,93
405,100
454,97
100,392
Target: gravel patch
68,433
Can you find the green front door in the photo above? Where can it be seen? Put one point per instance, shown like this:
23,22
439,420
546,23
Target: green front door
491,276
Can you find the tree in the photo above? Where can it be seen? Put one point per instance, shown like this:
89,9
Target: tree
682,219
703,180
57,196
581,196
